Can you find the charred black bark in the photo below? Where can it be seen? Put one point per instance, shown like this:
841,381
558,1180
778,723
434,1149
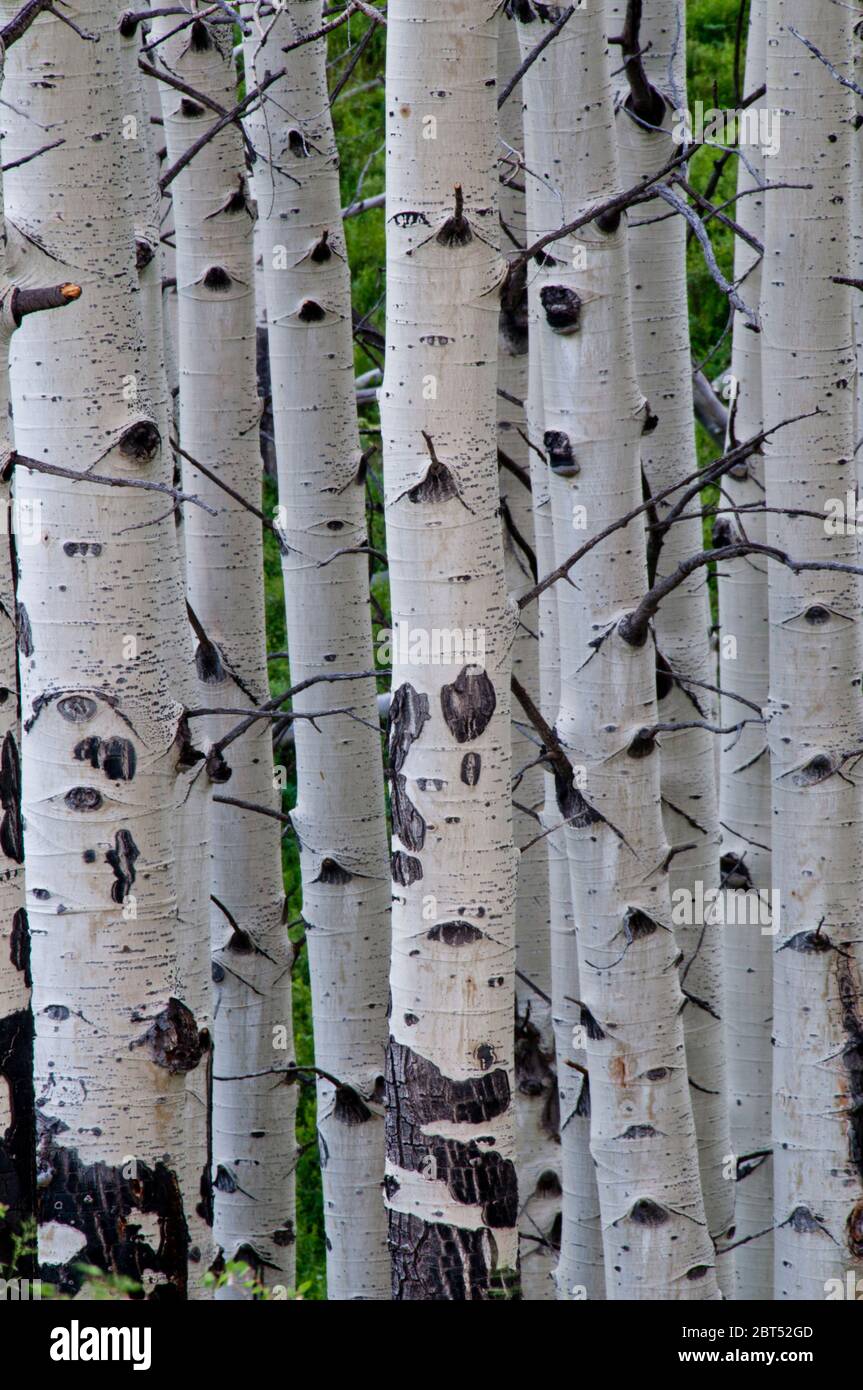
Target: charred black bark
18,1142
476,1174
101,1201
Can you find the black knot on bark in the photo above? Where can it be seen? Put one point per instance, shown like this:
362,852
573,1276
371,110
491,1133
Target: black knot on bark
297,144
128,25
218,279
311,312
321,252
722,533
735,872
817,614
456,230
562,307
190,108
199,39
560,456
642,744
141,442
608,222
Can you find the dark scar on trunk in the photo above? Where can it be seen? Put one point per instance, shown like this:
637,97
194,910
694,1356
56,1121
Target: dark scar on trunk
405,869
19,944
409,712
115,756
122,860
333,872
471,766
408,824
173,1039
101,1202
438,1263
437,485
852,1060
25,632
141,442
457,933
349,1107
18,1142
11,828
418,1095
468,704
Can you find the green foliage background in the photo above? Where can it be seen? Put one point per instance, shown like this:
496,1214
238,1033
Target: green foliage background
359,118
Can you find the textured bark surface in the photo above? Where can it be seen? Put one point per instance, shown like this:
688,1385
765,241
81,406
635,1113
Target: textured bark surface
450,1173
686,666
99,628
745,761
630,999
253,1099
815,663
339,815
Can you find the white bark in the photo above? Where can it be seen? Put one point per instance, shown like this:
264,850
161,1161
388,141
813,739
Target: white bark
745,762
100,636
579,1273
642,1130
660,317
339,816
537,1110
451,1182
253,1098
815,662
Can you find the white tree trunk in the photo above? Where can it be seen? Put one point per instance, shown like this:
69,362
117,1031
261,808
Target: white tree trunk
537,1109
339,816
253,1098
815,662
685,663
579,1273
642,1130
100,635
451,1181
745,761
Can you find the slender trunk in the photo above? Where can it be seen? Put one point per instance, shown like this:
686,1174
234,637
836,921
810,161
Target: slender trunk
642,1130
253,1094
99,633
339,816
537,1110
815,662
579,1273
451,1181
685,663
745,764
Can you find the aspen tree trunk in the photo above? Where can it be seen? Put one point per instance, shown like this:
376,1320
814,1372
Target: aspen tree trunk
745,761
339,816
190,826
642,1132
815,663
451,1181
579,1273
537,1110
685,664
253,1094
99,628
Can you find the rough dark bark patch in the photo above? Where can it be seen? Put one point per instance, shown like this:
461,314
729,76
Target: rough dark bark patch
405,869
409,712
77,709
11,828
571,804
173,1039
349,1107
513,309
333,872
19,945
476,1174
83,799
100,1202
408,824
468,704
18,1141
852,1060
442,1264
115,756
122,860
